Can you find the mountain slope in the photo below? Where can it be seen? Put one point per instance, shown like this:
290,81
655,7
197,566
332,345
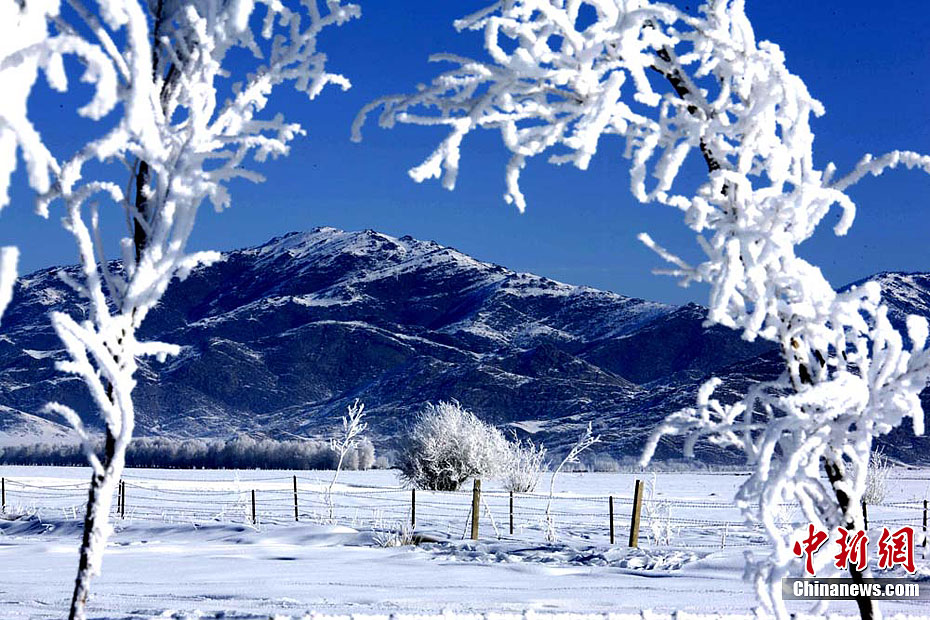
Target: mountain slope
278,338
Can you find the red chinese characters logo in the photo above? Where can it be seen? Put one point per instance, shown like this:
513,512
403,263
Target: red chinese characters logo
852,550
809,546
896,548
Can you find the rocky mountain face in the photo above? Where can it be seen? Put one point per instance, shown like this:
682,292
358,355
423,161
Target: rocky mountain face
277,339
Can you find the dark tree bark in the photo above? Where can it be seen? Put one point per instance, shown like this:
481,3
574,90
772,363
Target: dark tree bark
834,469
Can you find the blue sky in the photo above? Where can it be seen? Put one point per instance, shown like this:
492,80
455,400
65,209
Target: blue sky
866,61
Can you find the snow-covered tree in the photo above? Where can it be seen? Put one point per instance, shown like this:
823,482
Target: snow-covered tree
353,425
364,455
448,445
563,73
179,120
587,439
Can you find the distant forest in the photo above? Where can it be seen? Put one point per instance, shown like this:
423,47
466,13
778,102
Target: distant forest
236,453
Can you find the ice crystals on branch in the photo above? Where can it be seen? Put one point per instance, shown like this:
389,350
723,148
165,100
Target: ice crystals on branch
561,74
9,256
180,125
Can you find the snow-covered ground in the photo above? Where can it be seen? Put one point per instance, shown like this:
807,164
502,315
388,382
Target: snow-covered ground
187,544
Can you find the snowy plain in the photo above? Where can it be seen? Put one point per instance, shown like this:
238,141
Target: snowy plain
187,547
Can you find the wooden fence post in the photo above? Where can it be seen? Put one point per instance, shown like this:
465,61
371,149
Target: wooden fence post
925,523
865,516
254,520
511,513
611,519
413,508
637,507
4,502
296,513
119,496
475,508
122,505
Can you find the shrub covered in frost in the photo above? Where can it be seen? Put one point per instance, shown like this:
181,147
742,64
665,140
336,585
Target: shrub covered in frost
525,463
876,478
448,445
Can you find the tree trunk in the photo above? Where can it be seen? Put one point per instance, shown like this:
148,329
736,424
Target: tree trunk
96,526
836,474
139,236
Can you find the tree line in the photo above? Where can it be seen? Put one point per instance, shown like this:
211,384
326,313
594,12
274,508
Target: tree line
233,453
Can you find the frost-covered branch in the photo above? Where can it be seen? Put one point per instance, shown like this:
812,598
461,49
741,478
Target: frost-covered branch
183,121
9,256
673,85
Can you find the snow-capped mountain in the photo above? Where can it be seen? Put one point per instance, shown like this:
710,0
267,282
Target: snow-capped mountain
278,338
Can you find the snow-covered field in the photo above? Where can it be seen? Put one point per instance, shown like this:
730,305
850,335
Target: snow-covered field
187,544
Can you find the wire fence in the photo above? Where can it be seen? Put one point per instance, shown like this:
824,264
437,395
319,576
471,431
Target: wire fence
656,521
639,615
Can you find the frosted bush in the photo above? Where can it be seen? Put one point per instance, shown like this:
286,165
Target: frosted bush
448,445
525,464
657,515
876,478
399,536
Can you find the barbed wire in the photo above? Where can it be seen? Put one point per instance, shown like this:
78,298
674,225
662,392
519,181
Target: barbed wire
271,500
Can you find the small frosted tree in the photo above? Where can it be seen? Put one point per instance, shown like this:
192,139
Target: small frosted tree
353,425
560,75
179,121
584,442
346,440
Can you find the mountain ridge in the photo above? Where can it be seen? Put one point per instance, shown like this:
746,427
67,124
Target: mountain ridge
277,338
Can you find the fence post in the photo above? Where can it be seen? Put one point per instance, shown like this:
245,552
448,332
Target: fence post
122,506
475,508
925,523
634,519
296,514
511,513
254,520
865,516
413,508
611,519
4,502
